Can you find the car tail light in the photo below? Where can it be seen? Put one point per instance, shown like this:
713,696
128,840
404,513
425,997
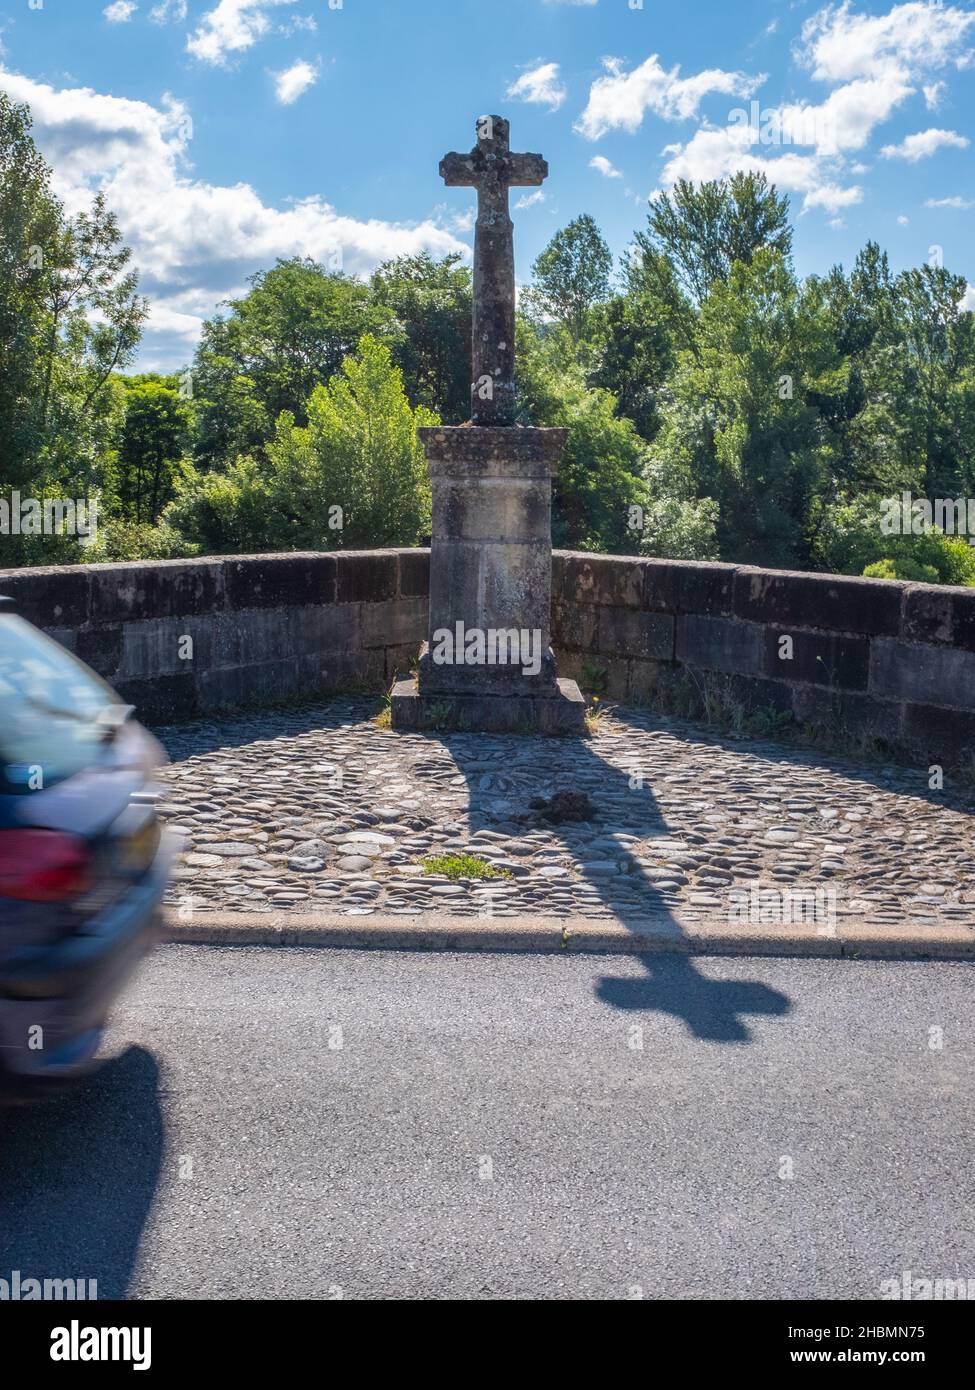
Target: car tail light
43,866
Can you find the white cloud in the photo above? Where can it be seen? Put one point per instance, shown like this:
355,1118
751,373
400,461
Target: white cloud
924,144
621,99
168,12
954,202
846,119
602,164
539,85
120,11
530,200
933,94
301,23
231,27
920,36
969,301
902,221
194,242
717,152
292,82
831,197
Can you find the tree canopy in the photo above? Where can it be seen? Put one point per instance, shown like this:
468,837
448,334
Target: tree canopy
718,406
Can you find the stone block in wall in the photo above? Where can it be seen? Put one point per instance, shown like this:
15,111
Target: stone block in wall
837,603
818,657
256,683
280,581
927,613
161,589
366,576
720,644
758,693
157,647
332,629
611,580
922,674
575,625
626,632
414,573
963,618
163,698
646,678
613,679
395,623
689,586
50,596
101,649
851,712
945,735
363,667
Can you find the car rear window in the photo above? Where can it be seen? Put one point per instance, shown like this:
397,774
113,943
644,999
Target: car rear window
50,708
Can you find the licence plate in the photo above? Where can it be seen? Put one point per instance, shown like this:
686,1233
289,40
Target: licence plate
136,852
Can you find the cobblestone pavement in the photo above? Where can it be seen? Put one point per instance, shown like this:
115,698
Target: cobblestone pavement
321,809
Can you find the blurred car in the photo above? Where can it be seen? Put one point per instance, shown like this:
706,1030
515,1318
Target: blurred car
84,861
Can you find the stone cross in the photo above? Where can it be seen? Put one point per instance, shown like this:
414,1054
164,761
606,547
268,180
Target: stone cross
492,169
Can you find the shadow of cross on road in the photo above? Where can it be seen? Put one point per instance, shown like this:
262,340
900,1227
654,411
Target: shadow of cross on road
711,1009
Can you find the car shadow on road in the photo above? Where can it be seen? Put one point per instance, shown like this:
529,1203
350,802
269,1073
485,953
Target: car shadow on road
715,1010
78,1175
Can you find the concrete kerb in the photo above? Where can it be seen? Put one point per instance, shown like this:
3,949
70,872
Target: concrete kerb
859,940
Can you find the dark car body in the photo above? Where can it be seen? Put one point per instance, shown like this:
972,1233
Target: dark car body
84,861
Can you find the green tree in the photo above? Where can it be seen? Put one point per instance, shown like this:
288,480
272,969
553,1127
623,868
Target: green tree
571,276
70,319
705,229
354,475
30,220
287,335
632,355
431,303
601,473
155,437
740,423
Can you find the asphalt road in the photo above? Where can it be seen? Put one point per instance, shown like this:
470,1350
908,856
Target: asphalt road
314,1124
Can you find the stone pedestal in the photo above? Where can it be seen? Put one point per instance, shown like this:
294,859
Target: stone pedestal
488,662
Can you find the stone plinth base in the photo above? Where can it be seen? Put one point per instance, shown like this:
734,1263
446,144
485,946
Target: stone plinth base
561,713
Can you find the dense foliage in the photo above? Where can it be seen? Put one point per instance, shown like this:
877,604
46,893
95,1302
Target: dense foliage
717,405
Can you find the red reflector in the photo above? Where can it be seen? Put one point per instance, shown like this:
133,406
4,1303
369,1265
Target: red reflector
43,866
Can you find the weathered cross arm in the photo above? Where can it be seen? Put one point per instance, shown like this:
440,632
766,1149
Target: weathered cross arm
458,171
516,170
527,170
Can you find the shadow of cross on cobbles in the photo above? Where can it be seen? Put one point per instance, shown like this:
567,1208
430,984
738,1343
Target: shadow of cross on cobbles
271,802
607,850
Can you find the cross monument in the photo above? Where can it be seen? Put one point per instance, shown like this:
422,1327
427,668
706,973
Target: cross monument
488,662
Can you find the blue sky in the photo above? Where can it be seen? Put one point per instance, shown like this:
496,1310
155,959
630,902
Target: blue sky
226,133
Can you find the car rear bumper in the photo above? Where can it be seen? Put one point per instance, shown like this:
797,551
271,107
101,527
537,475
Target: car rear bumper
54,1001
